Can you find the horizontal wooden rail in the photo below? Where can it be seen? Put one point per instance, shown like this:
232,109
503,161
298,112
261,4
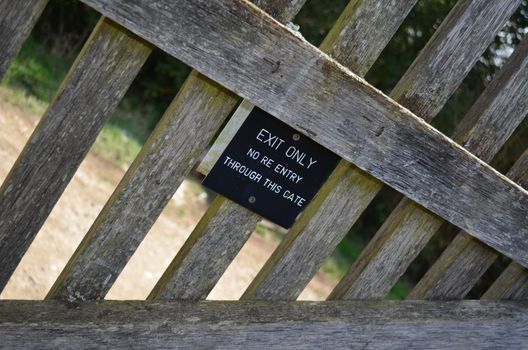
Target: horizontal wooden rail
320,98
226,226
186,128
99,78
466,259
316,234
484,129
16,21
270,325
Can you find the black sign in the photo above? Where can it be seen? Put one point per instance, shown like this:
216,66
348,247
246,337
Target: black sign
271,169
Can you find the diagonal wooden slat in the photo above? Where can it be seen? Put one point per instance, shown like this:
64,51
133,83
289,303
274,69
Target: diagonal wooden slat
512,284
207,252
227,226
97,81
264,325
466,259
303,251
16,21
485,128
187,127
321,98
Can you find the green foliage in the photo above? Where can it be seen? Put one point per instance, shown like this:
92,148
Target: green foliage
117,145
36,71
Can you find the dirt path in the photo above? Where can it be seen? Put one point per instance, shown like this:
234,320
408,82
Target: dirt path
79,206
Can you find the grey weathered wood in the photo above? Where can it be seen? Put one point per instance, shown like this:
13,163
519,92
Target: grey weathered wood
466,259
512,284
264,325
224,138
470,27
356,40
209,259
169,155
407,230
207,253
16,21
282,10
96,82
322,99
363,30
314,238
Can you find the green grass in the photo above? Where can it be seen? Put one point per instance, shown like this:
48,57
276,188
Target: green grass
116,145
37,72
19,97
268,233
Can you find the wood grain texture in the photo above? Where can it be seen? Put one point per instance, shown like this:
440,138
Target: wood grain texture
176,280
356,40
98,79
485,128
282,10
185,130
363,30
320,98
264,325
207,253
512,284
315,236
470,26
168,156
466,259
16,21
224,138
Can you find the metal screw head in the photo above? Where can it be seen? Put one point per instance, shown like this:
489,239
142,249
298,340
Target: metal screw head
252,199
296,137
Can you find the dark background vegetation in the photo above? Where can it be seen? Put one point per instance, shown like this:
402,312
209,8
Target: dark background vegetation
65,25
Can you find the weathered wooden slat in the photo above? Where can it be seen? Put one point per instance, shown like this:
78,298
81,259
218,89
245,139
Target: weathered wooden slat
466,259
264,325
96,82
300,255
16,21
169,155
207,253
483,131
354,42
470,26
512,284
210,260
439,281
322,99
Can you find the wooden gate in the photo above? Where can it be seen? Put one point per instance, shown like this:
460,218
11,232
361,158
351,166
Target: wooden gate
243,57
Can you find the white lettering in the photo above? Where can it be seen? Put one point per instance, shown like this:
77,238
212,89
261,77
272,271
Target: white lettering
266,137
312,162
253,154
